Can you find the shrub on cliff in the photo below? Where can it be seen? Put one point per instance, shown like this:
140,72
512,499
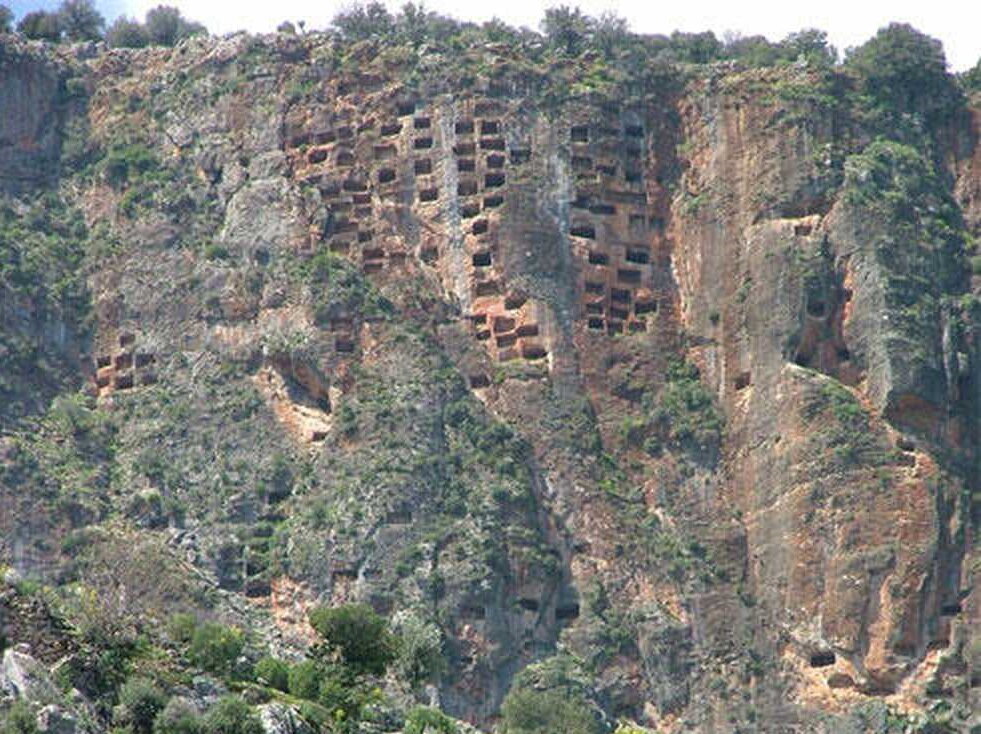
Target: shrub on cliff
426,720
304,678
215,647
546,712
177,717
357,634
274,673
139,703
6,19
231,715
551,696
18,719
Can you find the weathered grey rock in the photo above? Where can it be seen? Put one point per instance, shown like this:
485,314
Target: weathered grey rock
55,720
207,689
21,676
278,718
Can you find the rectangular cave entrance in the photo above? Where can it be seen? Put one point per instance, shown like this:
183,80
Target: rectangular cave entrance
822,659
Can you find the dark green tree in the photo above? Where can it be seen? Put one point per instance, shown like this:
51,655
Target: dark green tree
80,21
166,26
566,29
363,22
611,35
6,19
811,45
753,50
971,79
903,71
695,48
40,25
127,33
360,636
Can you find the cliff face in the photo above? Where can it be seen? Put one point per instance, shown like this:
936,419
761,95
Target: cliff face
683,383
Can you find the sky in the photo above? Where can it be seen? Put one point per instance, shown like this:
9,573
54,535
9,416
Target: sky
848,22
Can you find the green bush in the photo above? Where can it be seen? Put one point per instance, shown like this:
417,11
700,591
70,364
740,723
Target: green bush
19,719
419,645
126,162
231,715
274,673
177,717
360,636
181,626
547,712
685,411
425,720
215,647
303,680
139,703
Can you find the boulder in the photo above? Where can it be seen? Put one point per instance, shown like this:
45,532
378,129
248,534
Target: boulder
278,718
21,676
55,720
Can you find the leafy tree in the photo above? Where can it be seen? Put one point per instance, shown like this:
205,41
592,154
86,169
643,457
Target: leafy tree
139,703
166,26
695,48
752,50
611,34
364,21
6,19
811,45
566,29
80,21
40,25
360,636
286,27
231,715
127,33
901,70
215,647
971,79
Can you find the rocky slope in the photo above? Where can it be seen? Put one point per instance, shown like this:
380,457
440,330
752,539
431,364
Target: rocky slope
680,381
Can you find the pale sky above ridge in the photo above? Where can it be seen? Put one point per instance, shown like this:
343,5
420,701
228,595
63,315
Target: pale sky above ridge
956,23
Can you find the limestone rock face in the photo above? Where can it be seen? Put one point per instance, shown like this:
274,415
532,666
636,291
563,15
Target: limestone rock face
30,140
21,676
659,381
